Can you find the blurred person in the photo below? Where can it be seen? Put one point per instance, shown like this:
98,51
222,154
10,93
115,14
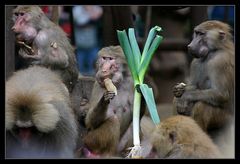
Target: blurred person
86,19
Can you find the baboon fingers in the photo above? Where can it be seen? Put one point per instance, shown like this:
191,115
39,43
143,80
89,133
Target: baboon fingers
109,95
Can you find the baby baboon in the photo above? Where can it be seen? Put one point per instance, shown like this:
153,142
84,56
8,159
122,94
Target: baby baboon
181,137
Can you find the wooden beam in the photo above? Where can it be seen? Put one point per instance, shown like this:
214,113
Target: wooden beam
9,43
55,14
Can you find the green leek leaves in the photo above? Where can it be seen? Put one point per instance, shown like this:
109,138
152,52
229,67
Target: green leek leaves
138,64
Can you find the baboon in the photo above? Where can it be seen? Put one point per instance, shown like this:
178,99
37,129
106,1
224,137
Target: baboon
181,137
44,43
208,97
110,115
39,120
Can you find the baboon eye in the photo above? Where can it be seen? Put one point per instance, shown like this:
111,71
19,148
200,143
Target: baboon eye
21,14
107,58
199,33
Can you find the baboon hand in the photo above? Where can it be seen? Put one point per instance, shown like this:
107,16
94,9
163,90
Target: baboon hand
108,95
23,52
182,106
179,89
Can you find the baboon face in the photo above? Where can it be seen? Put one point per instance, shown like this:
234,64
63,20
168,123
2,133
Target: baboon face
25,20
207,37
107,65
111,64
198,47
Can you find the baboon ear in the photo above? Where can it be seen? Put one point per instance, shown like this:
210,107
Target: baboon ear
221,35
172,136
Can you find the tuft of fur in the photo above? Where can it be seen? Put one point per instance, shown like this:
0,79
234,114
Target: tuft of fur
41,92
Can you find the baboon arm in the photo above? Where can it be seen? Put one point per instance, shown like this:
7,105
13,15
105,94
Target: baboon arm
190,87
98,108
218,93
96,114
210,96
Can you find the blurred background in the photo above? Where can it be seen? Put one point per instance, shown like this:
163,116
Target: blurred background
91,27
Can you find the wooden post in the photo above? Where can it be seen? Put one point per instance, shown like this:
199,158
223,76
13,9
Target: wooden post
198,15
148,21
55,14
115,18
9,42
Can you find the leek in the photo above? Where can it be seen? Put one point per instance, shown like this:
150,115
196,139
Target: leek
138,64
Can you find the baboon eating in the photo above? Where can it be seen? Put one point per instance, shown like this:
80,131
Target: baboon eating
110,114
44,43
208,97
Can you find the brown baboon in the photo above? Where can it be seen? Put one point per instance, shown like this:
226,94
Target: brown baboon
110,114
209,96
39,120
181,137
44,43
